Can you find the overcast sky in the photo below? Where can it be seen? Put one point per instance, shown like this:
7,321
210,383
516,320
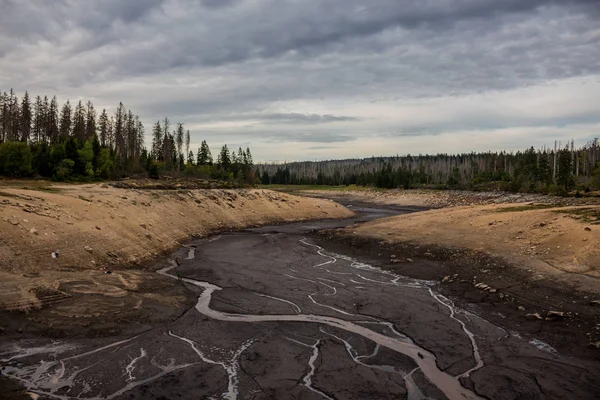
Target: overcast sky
321,79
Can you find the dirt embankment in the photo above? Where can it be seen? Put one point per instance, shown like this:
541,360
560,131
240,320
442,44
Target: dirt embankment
443,198
96,227
543,238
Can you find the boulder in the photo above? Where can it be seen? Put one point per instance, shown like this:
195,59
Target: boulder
88,249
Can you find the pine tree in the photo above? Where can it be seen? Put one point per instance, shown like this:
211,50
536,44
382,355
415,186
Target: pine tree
249,161
204,155
157,145
103,128
179,141
544,171
3,116
52,130
79,123
39,115
187,146
139,143
90,121
224,158
565,174
65,121
25,128
120,126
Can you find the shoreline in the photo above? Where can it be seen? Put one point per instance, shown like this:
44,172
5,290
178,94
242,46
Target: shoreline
510,298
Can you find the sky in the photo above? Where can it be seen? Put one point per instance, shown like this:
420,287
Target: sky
321,79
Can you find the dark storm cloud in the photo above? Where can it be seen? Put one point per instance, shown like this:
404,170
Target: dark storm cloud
308,71
218,3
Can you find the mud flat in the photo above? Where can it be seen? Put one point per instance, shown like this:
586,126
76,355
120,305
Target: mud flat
282,313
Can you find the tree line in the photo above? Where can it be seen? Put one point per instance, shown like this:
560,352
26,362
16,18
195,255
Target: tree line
557,170
42,138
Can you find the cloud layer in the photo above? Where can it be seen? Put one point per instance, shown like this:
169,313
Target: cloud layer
319,79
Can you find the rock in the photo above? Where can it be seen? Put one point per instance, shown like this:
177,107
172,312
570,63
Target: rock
492,290
143,226
97,227
409,260
148,235
26,221
533,317
595,303
88,249
446,279
587,228
33,231
393,256
555,315
594,345
14,221
521,308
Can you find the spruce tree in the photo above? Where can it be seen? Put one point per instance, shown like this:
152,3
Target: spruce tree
65,121
79,123
204,155
225,158
187,145
157,145
103,128
25,128
52,130
90,121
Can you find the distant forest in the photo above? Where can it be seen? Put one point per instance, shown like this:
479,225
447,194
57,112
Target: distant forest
74,143
556,171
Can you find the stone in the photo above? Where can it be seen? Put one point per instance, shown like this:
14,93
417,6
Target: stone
595,303
33,231
521,308
446,279
555,314
88,249
14,221
594,345
26,221
587,228
97,227
533,316
409,260
148,235
143,226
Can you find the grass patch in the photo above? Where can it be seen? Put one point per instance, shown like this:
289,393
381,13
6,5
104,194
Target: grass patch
589,215
528,207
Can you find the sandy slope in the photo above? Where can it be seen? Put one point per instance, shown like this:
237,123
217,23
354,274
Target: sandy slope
552,240
94,226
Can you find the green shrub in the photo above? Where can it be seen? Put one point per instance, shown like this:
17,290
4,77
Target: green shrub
64,171
15,159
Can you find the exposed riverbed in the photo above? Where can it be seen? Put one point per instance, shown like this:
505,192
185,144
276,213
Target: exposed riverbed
279,316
